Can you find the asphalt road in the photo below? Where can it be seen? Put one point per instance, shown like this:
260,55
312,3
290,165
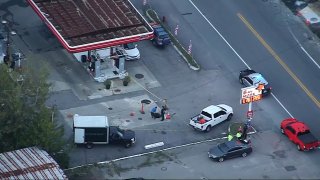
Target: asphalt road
278,28
271,159
188,91
274,23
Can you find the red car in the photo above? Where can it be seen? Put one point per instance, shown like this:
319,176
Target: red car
299,133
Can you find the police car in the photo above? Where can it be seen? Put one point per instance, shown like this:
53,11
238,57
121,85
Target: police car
250,77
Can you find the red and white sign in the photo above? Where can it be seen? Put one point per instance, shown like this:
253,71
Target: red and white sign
250,94
249,114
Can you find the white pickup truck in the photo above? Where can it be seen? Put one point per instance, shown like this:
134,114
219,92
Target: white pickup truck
211,116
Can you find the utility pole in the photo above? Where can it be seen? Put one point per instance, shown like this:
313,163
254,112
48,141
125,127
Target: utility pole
8,57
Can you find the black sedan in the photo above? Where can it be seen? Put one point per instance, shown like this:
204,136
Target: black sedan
250,77
229,149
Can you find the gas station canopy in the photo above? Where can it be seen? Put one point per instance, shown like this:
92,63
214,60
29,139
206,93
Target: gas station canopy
83,25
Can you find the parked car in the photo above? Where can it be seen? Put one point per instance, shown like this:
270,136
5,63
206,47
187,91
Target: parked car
229,149
300,5
294,6
131,51
249,77
299,133
310,17
211,116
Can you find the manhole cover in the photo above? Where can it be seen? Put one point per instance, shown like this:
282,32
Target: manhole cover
99,89
146,101
163,132
117,90
280,154
127,120
290,168
139,118
139,76
110,108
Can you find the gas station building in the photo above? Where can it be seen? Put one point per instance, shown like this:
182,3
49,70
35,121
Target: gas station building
83,26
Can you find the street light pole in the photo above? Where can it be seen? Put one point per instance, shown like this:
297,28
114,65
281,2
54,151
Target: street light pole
8,59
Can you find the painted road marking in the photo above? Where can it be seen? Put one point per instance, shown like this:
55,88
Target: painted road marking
161,150
151,152
301,47
280,61
234,51
220,34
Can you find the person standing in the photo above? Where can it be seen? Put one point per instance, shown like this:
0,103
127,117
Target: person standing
163,111
153,111
230,137
239,134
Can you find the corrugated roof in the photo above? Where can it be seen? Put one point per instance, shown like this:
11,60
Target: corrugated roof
29,163
92,24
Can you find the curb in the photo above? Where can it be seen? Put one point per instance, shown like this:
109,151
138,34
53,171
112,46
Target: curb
185,59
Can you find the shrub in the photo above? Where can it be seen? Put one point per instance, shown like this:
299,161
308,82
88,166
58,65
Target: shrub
126,80
107,83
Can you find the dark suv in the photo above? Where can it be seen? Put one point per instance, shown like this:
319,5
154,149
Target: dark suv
250,77
161,37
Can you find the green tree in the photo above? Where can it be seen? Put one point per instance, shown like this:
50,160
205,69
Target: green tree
25,120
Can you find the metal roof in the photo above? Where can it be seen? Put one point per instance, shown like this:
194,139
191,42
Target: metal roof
82,25
90,121
29,163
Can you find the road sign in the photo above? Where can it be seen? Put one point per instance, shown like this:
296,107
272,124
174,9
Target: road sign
250,94
249,114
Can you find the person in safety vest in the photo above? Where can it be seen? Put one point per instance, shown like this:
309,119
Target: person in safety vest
239,134
230,137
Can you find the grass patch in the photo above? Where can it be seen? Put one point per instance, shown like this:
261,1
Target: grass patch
156,158
77,172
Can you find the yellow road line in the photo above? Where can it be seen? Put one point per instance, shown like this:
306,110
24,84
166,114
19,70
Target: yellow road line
280,61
